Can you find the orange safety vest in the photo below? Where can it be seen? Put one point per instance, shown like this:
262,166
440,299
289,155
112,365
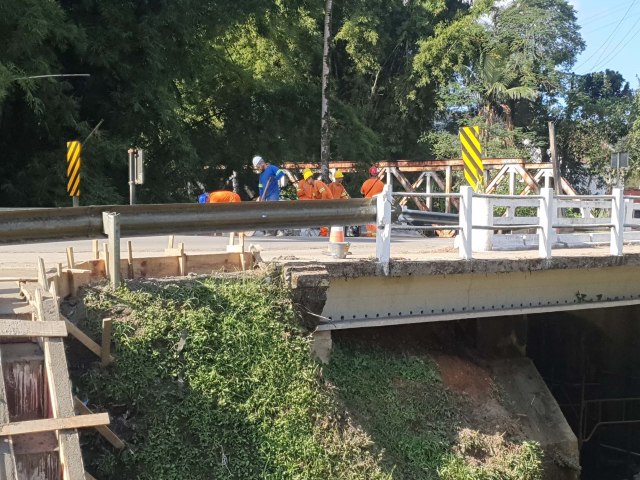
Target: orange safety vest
321,191
317,191
371,187
338,191
223,196
305,191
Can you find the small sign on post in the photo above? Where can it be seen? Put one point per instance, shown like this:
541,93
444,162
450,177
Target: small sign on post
620,160
74,148
136,172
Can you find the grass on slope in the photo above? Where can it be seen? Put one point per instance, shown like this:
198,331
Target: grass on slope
212,380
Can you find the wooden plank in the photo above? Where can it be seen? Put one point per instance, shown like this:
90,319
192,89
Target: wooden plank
96,249
531,183
53,424
105,350
26,328
404,165
496,180
60,397
8,468
182,260
107,264
88,476
129,259
408,188
84,339
42,275
106,432
70,260
21,352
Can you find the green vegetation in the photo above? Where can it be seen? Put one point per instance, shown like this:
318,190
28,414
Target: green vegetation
220,385
213,379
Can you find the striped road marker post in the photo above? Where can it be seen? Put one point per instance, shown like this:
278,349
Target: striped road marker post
74,148
472,156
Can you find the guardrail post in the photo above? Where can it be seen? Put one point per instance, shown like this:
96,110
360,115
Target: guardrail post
111,226
545,233
383,235
617,221
465,221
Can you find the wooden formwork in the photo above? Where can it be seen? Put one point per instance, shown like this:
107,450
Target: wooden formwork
39,417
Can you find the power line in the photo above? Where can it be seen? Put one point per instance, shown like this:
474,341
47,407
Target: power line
604,44
614,55
607,25
604,13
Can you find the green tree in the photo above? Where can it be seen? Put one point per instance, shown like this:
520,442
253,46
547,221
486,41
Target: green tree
597,121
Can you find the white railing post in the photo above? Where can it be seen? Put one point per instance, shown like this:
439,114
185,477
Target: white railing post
111,226
546,234
465,221
383,234
617,221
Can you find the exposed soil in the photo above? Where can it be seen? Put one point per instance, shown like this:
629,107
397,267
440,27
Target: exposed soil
464,377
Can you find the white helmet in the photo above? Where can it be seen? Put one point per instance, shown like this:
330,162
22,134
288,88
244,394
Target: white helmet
257,160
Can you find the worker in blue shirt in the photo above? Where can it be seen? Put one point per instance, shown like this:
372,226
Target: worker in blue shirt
270,176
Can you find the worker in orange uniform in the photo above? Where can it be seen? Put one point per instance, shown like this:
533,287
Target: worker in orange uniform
311,189
337,188
371,187
223,196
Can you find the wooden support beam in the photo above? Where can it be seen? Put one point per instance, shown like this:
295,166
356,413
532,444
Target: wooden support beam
129,259
171,239
26,328
182,260
528,179
8,468
415,185
61,401
105,350
84,339
566,187
408,188
70,260
105,431
447,189
53,424
497,179
42,275
107,264
96,249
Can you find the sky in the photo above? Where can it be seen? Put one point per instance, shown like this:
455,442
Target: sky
611,30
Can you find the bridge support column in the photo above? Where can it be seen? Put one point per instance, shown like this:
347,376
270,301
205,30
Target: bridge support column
321,345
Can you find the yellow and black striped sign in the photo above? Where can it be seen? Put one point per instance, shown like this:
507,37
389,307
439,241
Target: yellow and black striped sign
472,155
73,168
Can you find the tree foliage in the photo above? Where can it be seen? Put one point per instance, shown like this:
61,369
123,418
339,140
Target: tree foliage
203,86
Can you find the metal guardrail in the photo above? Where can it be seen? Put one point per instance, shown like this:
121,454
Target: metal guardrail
33,225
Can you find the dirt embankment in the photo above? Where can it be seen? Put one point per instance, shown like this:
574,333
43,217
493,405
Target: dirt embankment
501,403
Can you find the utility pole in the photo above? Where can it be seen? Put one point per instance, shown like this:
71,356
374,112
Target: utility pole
325,132
557,180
